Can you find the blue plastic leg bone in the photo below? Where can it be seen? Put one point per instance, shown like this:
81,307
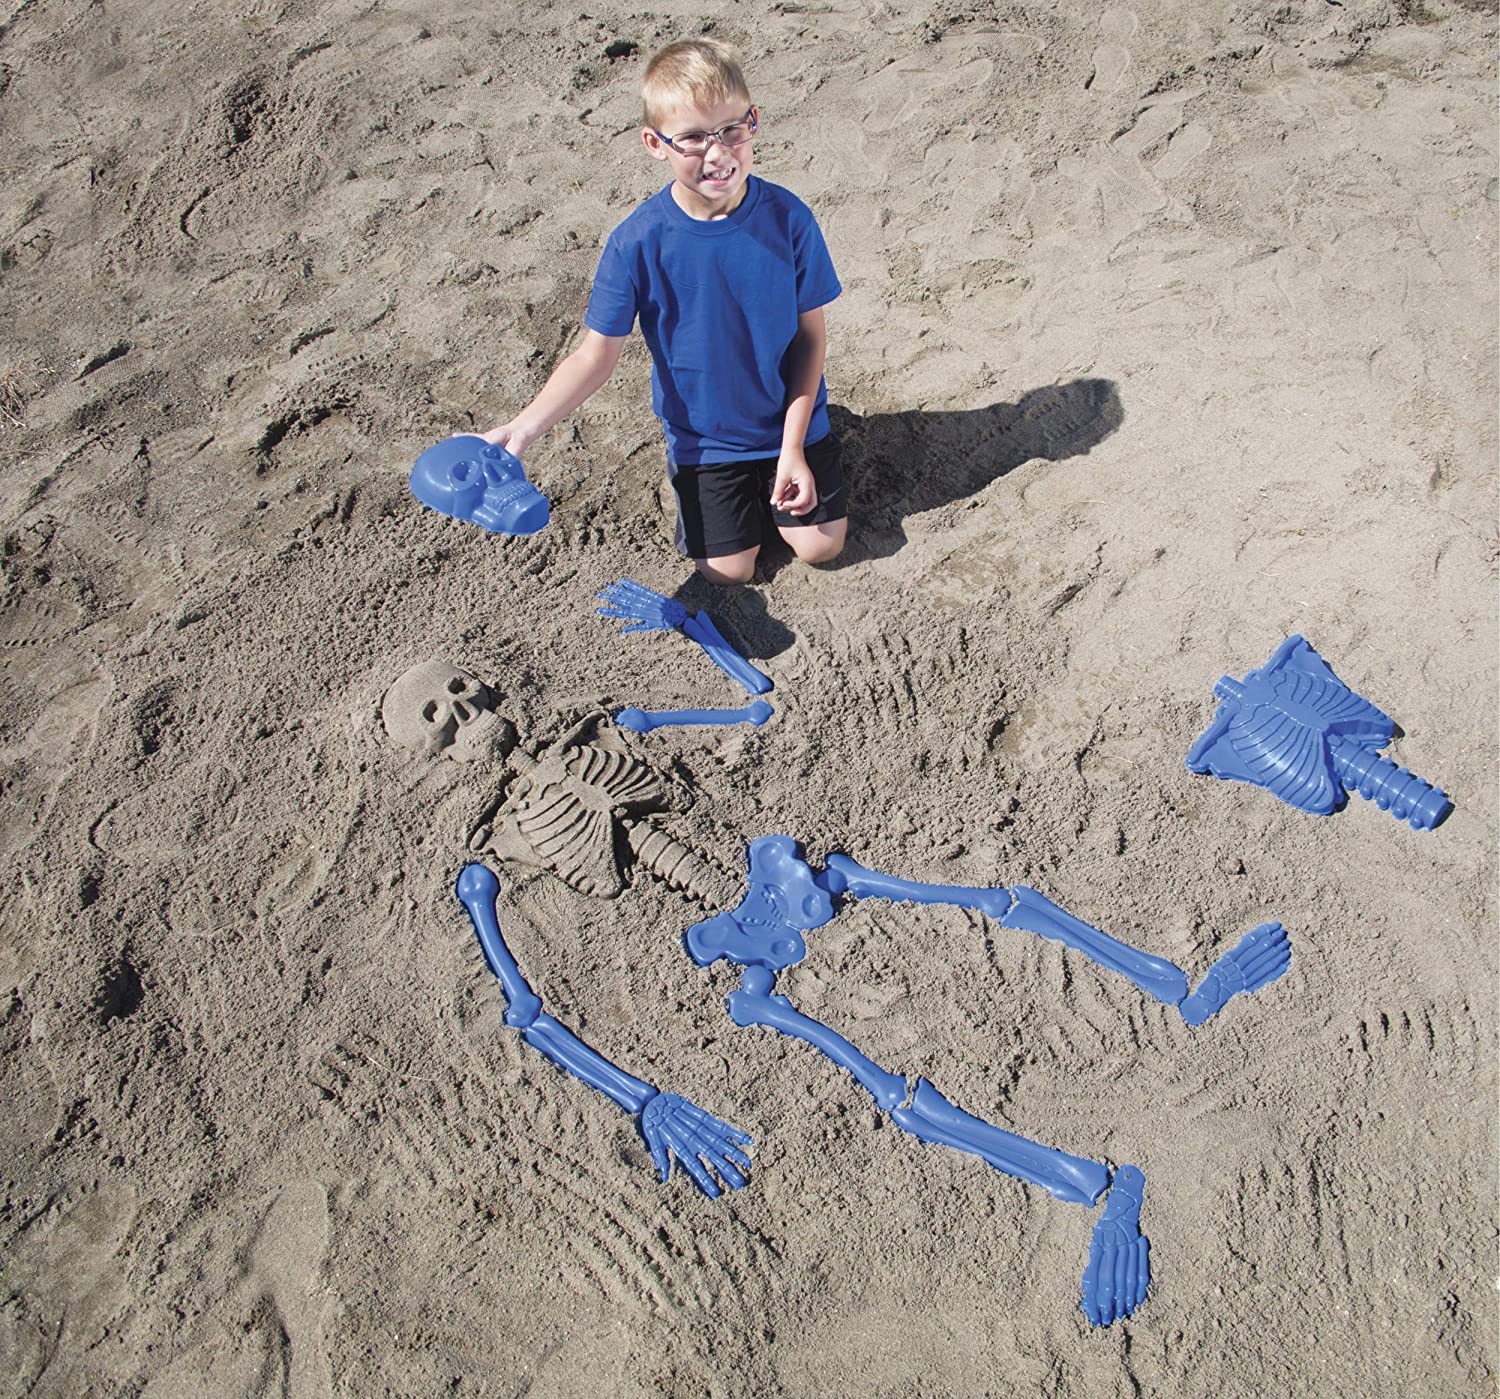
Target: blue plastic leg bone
1017,908
930,1117
671,1125
1119,1271
644,720
846,876
630,602
1259,957
1294,728
1154,975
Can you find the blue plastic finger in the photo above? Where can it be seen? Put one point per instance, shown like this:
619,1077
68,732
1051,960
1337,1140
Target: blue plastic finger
1262,955
474,480
645,720
1293,727
1119,1268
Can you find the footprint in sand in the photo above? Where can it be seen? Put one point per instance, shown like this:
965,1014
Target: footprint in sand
1186,145
1111,58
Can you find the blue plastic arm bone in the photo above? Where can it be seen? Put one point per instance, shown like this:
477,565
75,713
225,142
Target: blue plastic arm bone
630,602
930,1117
644,720
1259,957
700,628
1154,975
1294,728
474,480
671,1125
646,610
1119,1267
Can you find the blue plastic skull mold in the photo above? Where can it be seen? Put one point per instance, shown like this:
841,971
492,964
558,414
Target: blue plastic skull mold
473,480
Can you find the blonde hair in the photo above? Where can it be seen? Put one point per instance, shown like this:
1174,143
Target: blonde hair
691,72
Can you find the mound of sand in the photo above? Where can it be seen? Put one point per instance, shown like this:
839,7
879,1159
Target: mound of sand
1168,331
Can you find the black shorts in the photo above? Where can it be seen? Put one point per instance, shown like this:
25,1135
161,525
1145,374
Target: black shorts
726,508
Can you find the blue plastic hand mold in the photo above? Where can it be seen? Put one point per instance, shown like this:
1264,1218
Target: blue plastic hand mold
650,611
1294,728
1119,1267
644,720
670,1125
471,479
645,610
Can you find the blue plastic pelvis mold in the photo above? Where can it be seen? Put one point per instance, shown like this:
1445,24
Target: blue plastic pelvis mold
471,479
1294,728
784,900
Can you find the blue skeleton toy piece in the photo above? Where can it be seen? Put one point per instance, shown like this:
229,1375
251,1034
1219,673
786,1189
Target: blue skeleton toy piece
474,480
785,899
671,1126
1294,728
650,611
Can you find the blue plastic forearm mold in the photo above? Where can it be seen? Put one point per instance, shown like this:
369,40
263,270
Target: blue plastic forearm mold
1294,728
645,610
644,720
474,480
673,1127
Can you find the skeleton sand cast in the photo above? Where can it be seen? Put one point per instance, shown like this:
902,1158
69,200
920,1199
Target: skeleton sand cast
574,806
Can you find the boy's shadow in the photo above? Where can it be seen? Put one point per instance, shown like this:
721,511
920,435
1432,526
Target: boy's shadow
900,464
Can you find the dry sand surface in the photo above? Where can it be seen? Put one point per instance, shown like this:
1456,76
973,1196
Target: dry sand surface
1168,330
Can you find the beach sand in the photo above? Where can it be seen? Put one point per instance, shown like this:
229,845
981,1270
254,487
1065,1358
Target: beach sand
1167,332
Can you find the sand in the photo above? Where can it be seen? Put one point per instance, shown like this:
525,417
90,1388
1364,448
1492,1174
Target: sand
1167,331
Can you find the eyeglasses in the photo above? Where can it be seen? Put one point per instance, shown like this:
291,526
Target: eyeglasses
698,142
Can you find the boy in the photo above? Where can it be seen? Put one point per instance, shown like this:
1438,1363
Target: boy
729,275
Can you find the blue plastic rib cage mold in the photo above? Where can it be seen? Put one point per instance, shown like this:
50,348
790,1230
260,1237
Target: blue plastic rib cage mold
1294,728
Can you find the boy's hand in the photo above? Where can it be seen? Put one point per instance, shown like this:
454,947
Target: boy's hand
514,438
794,489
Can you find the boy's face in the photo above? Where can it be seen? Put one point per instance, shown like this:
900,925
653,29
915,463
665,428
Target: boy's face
712,183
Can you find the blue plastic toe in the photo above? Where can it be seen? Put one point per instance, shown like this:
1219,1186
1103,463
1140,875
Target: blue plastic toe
1119,1267
473,480
1259,957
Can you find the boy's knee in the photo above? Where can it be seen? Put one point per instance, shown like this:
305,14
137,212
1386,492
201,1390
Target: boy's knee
817,543
730,569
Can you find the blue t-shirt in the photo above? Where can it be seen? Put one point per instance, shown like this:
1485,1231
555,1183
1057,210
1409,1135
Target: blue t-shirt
718,302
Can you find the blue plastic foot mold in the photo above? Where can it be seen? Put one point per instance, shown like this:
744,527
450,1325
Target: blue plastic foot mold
1294,728
644,720
1119,1267
672,1126
473,480
1259,957
646,610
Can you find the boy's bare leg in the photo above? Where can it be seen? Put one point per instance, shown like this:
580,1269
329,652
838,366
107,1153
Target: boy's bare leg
816,543
729,568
